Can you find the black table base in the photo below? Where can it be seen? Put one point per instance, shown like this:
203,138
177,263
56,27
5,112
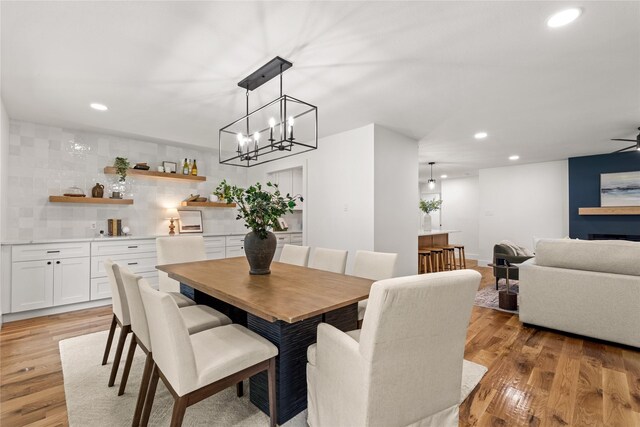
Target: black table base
292,340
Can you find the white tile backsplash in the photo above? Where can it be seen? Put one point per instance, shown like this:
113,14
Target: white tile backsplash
45,160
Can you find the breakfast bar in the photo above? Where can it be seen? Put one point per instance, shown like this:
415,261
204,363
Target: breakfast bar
434,238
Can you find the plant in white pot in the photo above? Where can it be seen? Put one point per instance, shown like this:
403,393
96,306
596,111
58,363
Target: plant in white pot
428,206
260,210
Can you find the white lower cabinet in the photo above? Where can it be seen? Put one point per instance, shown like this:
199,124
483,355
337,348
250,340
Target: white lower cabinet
47,283
101,289
234,246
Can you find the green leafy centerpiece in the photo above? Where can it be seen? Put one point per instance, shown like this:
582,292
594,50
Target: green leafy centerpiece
428,206
260,209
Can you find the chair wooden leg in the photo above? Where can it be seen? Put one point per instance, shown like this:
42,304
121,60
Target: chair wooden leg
179,408
144,385
240,389
124,331
127,365
463,260
273,411
429,265
112,330
497,283
151,393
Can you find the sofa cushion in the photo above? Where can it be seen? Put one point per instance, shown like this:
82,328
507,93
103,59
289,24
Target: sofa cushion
607,256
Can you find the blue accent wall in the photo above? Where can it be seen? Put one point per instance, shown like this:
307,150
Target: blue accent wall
584,192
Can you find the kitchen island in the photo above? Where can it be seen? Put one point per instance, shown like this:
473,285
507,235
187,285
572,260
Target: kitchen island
434,238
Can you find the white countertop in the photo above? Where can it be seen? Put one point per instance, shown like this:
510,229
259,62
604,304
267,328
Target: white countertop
436,231
132,237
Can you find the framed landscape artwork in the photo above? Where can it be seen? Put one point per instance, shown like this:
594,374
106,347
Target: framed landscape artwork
190,221
620,189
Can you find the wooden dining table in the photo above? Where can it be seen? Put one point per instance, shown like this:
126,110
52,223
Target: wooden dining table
284,307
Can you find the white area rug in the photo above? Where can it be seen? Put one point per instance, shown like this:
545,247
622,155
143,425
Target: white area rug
91,403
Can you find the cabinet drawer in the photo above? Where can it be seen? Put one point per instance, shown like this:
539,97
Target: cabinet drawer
234,251
136,263
214,242
234,240
48,251
283,239
215,253
101,289
119,247
296,239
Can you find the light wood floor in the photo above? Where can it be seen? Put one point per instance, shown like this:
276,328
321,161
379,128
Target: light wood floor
536,377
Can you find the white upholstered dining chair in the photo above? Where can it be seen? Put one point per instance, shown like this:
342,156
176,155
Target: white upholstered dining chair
334,260
295,255
374,266
175,250
197,318
120,317
405,366
194,367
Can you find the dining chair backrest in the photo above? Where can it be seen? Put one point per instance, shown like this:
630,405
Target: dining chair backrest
172,349
295,255
175,250
118,298
138,316
413,337
334,260
375,265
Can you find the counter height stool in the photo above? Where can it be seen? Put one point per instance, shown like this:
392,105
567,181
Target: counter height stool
437,257
424,261
461,256
449,253
194,367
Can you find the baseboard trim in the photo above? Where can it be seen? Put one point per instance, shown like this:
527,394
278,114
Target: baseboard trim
12,317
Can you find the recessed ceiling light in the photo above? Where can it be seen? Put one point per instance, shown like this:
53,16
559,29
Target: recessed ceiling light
564,17
443,176
514,157
99,107
480,135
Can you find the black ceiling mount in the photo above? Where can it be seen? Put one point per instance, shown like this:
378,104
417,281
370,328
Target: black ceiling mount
265,73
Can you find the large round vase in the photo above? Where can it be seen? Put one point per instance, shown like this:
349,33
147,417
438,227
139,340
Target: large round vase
260,252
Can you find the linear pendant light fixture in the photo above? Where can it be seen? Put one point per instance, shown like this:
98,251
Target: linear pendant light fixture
267,133
431,182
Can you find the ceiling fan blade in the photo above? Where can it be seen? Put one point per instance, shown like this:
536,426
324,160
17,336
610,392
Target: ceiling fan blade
629,140
624,149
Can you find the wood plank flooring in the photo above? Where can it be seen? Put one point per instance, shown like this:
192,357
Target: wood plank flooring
536,377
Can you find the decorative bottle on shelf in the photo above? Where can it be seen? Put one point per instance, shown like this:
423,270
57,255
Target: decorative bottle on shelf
194,168
185,167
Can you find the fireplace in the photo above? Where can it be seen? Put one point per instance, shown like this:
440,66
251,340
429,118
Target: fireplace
631,237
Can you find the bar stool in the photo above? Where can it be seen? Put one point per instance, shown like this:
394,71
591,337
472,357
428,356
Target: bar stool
449,252
424,260
461,256
437,257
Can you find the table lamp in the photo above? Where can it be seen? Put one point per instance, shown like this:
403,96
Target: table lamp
172,215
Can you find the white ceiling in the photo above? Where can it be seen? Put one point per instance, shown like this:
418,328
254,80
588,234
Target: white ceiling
435,71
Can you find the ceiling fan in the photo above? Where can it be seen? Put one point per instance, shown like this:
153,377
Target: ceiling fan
635,146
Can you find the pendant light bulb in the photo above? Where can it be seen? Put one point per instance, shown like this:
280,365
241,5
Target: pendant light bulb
256,136
240,138
432,184
272,122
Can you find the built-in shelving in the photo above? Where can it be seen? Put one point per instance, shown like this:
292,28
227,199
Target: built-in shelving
110,170
611,210
209,204
95,200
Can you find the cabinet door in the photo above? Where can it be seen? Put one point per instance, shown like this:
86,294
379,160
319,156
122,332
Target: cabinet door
31,285
234,251
215,253
71,281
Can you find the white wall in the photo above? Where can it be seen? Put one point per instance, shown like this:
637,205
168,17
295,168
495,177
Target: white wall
46,160
4,151
396,198
461,202
339,202
520,202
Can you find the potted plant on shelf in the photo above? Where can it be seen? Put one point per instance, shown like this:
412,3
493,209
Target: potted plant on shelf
121,164
428,206
260,210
